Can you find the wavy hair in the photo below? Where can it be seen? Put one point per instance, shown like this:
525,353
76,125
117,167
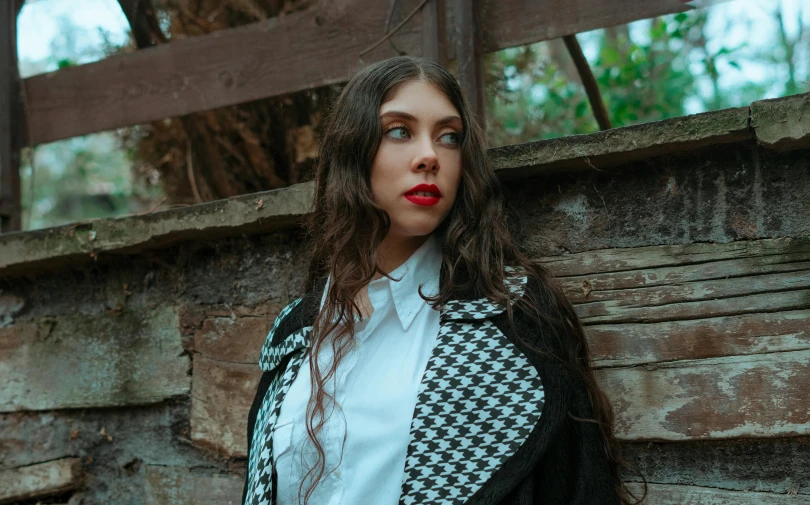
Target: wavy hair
346,228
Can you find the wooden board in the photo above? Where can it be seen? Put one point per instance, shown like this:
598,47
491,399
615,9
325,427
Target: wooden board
220,401
664,303
669,494
43,479
763,395
294,52
174,485
235,335
99,360
698,341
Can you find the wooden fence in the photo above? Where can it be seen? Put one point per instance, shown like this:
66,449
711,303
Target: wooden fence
325,44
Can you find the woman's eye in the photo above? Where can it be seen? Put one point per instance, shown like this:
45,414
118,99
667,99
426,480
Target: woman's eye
450,138
399,133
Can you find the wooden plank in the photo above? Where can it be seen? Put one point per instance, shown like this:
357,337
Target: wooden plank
235,334
92,361
699,341
34,251
669,283
653,296
715,270
673,494
510,23
220,401
434,34
311,48
740,396
635,258
469,55
40,480
301,50
607,312
173,485
12,124
614,345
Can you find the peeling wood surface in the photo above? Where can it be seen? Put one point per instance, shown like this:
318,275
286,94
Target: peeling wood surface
667,494
31,252
122,358
624,259
40,480
701,341
220,401
235,335
764,395
172,485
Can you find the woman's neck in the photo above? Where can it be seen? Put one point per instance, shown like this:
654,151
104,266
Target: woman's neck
394,251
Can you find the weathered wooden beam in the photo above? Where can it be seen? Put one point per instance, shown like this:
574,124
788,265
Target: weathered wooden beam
696,255
698,341
469,55
764,395
12,126
311,48
221,395
40,480
227,344
92,361
636,344
676,494
178,485
434,32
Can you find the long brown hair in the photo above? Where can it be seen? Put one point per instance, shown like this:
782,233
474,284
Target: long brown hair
346,228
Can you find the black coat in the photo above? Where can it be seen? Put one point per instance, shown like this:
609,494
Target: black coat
491,424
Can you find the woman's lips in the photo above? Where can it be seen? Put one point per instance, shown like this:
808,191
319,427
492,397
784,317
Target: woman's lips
423,199
430,194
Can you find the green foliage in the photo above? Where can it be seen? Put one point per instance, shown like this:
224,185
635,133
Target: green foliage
649,71
83,177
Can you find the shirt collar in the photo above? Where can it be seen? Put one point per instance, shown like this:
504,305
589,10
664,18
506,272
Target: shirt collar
421,268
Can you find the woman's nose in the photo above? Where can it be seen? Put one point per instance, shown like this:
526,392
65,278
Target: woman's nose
426,158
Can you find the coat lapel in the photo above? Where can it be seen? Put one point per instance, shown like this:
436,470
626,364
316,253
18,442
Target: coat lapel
478,401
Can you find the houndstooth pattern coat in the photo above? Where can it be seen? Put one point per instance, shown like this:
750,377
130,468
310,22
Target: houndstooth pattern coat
483,426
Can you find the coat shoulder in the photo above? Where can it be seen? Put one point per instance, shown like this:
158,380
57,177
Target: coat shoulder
268,357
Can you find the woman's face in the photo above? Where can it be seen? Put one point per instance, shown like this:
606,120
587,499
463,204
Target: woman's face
420,145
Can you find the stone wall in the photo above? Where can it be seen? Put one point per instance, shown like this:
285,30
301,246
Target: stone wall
128,347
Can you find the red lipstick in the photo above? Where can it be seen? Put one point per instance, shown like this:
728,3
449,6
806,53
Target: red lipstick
429,194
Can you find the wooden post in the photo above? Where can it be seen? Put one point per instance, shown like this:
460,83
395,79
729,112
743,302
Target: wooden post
470,56
434,31
11,119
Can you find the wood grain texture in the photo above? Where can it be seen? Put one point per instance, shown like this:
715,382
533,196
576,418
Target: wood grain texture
220,401
298,51
92,361
282,55
174,485
699,341
40,480
738,396
669,494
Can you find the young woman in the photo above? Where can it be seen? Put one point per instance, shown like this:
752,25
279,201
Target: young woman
451,369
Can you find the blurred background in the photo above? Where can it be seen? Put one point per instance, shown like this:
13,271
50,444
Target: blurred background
726,55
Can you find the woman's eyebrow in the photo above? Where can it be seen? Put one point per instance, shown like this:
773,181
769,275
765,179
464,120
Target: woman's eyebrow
410,117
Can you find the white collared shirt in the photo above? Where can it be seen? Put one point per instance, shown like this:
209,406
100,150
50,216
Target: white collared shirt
377,385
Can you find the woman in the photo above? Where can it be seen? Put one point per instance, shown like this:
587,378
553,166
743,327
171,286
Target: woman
451,369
